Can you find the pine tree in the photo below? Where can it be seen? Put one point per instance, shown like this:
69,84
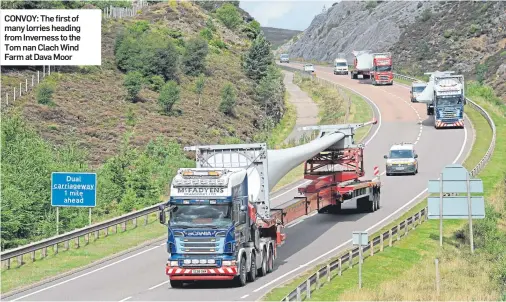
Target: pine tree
258,59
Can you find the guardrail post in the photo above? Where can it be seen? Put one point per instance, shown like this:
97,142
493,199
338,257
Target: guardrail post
106,231
298,294
8,263
398,232
33,256
116,228
340,266
308,288
67,245
146,220
123,226
134,221
406,227
20,260
87,238
351,259
44,252
55,249
390,235
77,242
317,279
328,272
381,242
372,247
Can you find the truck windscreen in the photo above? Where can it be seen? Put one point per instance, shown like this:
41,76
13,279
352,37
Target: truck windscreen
201,216
449,101
383,68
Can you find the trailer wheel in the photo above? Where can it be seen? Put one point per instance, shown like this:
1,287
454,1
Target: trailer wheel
378,199
262,271
241,279
176,283
252,274
270,260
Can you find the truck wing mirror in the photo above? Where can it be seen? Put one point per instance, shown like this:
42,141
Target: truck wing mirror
243,208
242,217
162,217
385,156
416,155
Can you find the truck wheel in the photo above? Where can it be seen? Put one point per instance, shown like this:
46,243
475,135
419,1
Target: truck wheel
262,271
252,275
378,198
241,279
270,260
176,283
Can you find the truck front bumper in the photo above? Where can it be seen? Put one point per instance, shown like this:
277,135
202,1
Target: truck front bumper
401,169
449,124
195,273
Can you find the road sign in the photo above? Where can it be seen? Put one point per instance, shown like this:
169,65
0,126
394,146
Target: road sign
456,207
70,189
360,237
455,179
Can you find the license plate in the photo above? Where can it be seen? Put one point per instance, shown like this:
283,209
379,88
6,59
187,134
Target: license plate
399,168
199,271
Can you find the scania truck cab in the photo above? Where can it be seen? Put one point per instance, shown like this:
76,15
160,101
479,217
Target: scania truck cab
449,102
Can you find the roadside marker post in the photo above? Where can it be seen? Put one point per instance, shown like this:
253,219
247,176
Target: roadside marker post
74,190
455,179
377,172
361,239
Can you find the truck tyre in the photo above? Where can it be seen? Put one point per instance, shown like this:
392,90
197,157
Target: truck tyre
176,283
378,199
270,260
240,280
262,271
252,274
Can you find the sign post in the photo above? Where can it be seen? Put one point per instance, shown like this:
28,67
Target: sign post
455,179
360,239
69,189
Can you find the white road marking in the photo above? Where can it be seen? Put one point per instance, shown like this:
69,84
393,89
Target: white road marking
86,274
245,296
370,228
125,299
158,285
294,224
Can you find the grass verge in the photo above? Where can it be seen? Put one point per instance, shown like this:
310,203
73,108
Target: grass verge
405,271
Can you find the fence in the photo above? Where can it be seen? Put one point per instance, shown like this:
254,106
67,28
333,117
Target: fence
26,86
314,282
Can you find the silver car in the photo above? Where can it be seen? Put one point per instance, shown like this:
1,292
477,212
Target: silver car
402,159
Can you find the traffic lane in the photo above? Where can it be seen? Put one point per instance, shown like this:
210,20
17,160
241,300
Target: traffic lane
65,289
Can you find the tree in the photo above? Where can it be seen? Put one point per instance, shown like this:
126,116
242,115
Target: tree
252,29
270,93
169,95
45,93
133,84
228,99
199,86
194,59
258,58
229,15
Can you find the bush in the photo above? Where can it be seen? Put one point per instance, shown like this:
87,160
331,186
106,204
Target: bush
45,93
228,99
229,15
133,84
252,29
426,15
149,52
218,44
199,86
210,25
258,58
169,95
447,33
270,93
194,59
156,82
207,34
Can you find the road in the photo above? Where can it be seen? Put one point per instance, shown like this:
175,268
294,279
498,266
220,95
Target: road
140,276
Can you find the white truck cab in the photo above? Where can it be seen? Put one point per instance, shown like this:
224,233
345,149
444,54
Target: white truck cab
402,159
341,66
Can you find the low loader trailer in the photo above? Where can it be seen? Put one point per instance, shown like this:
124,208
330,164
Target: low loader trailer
221,224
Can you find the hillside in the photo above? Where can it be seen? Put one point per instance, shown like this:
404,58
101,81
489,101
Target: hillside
128,119
279,36
422,36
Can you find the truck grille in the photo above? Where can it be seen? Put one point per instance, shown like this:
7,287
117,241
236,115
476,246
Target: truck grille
449,114
384,78
199,245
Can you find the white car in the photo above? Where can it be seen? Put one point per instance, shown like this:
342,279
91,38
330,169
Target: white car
341,66
402,159
309,68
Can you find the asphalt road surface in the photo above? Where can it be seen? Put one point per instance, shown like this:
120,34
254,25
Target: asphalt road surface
140,275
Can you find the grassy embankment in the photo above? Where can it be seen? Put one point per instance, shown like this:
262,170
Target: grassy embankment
406,270
332,110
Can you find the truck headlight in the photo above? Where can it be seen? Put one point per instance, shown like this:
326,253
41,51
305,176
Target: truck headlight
228,263
173,263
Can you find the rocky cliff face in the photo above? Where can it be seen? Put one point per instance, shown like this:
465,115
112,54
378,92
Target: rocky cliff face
467,37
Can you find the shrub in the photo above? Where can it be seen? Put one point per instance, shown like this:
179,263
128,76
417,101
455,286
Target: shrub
270,93
206,33
45,93
199,86
447,33
210,25
426,15
133,84
156,82
229,15
169,95
228,99
194,58
218,44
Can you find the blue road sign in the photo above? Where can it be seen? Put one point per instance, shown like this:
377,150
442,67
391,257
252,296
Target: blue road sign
456,207
73,189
